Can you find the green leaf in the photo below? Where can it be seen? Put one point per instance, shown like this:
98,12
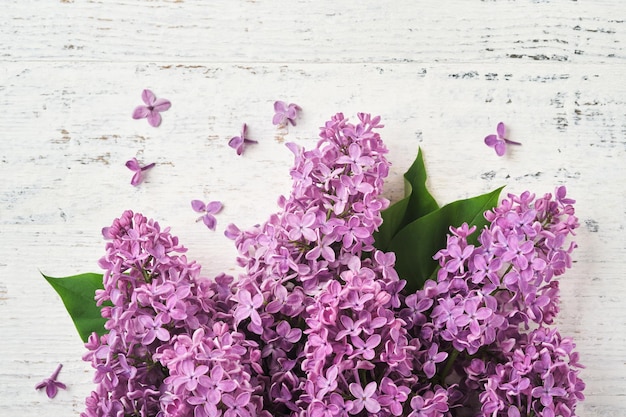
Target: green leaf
421,202
417,203
77,293
416,243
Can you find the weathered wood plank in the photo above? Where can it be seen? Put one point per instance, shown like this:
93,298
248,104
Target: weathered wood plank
562,31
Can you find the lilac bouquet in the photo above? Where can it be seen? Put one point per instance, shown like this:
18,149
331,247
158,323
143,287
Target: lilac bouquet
346,306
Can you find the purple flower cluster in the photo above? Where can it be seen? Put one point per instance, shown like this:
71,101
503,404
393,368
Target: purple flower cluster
486,298
318,324
316,294
171,349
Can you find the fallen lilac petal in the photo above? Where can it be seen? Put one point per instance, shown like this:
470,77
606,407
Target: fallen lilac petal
198,206
140,112
133,165
154,118
214,207
162,104
232,231
210,221
500,129
237,144
148,97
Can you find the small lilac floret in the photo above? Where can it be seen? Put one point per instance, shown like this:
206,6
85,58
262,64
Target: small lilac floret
238,142
154,106
208,210
285,113
134,166
51,384
498,141
364,398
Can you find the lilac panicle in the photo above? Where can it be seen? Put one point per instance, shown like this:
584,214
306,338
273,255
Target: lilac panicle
486,297
171,347
313,266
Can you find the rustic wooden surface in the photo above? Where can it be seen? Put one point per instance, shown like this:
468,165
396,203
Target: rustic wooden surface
441,77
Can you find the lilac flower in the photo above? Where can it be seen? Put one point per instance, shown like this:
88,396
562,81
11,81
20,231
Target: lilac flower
154,106
498,141
433,358
393,396
366,348
209,209
133,165
189,377
328,383
285,113
356,159
51,384
247,307
237,406
547,391
238,142
153,330
364,398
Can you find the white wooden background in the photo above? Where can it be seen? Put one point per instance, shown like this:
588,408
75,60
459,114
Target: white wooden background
441,74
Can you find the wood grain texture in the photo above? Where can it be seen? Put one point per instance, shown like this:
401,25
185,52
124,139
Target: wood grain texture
302,31
71,73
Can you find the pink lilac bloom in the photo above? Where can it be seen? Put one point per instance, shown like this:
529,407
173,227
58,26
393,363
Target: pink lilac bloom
51,384
340,299
171,348
364,398
317,324
138,170
490,296
238,142
208,210
498,141
285,113
152,109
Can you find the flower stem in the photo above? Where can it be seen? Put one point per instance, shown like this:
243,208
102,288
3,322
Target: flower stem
449,364
55,374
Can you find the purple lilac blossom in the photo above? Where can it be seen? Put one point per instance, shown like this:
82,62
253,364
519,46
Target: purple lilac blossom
51,384
138,170
498,142
318,325
238,142
154,106
313,267
488,295
171,347
208,210
285,113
